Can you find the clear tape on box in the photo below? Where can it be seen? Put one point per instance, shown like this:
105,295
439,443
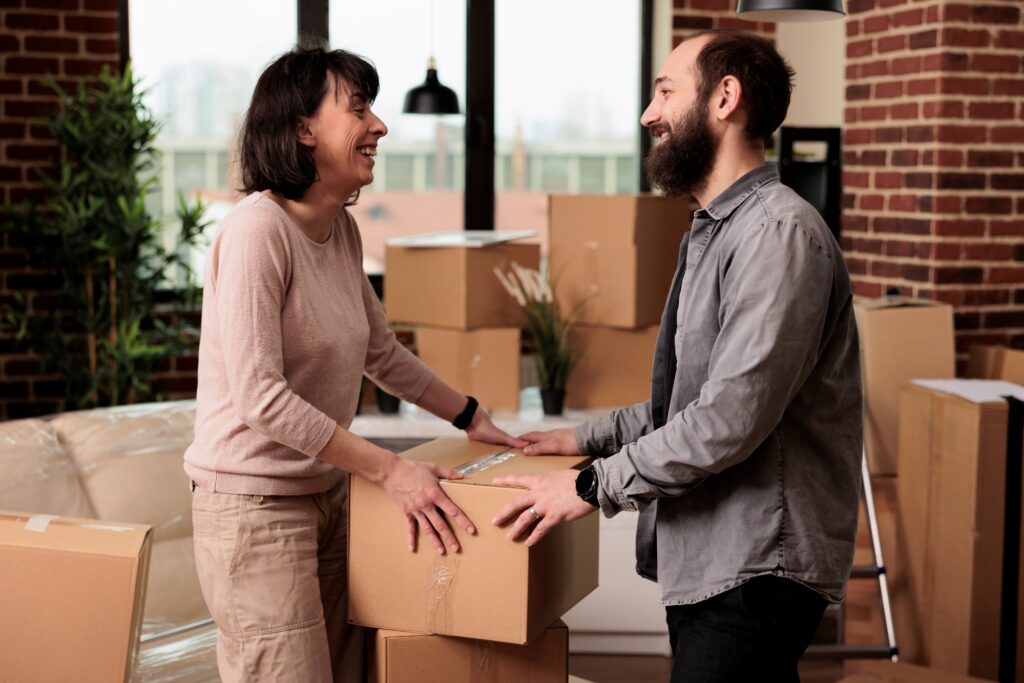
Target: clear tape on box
123,464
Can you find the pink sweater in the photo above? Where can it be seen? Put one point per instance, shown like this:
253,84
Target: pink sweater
289,327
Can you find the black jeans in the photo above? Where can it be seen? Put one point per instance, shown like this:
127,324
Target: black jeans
755,632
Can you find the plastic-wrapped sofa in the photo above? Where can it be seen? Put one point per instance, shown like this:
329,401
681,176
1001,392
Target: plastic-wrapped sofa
124,464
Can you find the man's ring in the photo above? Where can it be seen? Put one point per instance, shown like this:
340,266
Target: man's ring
535,513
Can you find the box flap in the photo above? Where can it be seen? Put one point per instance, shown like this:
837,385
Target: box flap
974,390
480,463
473,239
894,302
69,534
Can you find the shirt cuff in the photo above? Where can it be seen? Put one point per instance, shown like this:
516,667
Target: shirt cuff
610,495
596,437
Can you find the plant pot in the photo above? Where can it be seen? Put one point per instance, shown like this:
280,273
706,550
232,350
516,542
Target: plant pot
553,401
386,403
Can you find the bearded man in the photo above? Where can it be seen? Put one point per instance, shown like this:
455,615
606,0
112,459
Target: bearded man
745,463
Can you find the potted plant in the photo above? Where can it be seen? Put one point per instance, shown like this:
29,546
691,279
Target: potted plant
549,332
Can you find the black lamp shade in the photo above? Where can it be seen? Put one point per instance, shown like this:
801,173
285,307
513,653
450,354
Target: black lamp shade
431,98
790,10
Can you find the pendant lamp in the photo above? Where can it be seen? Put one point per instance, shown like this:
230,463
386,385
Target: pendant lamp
432,97
790,10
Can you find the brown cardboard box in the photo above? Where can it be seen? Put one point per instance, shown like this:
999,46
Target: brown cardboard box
900,339
996,362
483,363
400,657
951,490
616,252
493,589
614,367
73,593
454,287
899,672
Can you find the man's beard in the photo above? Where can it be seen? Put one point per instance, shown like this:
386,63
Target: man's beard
682,162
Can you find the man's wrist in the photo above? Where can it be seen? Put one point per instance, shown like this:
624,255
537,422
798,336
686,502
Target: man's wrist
586,486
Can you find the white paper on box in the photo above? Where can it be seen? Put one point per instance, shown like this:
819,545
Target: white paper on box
974,390
468,238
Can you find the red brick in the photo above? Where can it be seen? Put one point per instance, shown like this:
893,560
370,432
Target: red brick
101,5
959,227
33,195
31,152
852,72
907,110
859,6
913,17
28,109
888,134
877,68
920,181
924,39
83,67
889,89
1011,228
1005,275
958,274
886,269
903,203
871,202
995,14
1008,86
867,246
1008,181
1014,134
98,24
857,136
852,28
948,204
986,297
904,157
963,37
979,158
947,61
37,87
961,181
965,85
953,13
867,289
931,14
10,87
944,109
1010,39
948,158
891,43
859,48
101,46
876,113
988,205
877,23
54,4
39,66
850,115
991,110
920,133
9,44
945,251
710,5
923,86
915,272
949,133
857,92
989,63
855,179
50,44
891,3
906,65
888,180
11,174
31,21
988,252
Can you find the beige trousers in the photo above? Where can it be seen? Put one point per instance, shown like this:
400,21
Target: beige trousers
273,571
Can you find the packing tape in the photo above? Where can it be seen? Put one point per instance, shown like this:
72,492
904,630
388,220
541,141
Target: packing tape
39,523
485,462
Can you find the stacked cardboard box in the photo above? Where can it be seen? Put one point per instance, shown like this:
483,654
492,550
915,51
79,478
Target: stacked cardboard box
612,259
73,593
467,325
494,591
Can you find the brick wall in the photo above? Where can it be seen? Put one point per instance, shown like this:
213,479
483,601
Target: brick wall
691,16
934,158
66,39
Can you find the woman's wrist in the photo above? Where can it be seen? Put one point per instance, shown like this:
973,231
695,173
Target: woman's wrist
388,463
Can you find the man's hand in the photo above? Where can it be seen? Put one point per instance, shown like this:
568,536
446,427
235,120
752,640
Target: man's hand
414,488
550,501
483,429
553,442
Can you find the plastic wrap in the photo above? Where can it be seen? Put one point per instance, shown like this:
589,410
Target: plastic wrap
124,464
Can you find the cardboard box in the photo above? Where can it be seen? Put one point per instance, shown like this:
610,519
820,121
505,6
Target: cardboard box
616,252
399,657
959,520
483,363
900,672
900,339
996,362
73,593
454,286
493,589
614,367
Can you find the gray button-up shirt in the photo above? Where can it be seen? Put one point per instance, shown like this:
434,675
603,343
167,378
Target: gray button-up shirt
757,470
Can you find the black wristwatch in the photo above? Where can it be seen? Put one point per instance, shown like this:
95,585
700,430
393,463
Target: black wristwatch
465,418
586,485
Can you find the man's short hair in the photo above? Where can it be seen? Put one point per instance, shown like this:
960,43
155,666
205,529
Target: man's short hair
766,78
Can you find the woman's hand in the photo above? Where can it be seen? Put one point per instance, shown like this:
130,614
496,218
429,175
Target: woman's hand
483,429
553,442
415,489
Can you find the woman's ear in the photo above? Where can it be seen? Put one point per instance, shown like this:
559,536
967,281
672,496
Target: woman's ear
304,132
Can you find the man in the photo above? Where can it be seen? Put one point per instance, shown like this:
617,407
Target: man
745,463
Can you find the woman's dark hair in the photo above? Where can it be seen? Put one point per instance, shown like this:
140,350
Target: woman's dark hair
293,86
766,78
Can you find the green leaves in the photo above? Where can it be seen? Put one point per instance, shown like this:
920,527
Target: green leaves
103,335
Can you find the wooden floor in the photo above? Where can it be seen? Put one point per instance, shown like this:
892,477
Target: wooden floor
644,669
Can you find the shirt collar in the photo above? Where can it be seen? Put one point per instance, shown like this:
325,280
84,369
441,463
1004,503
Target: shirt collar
729,199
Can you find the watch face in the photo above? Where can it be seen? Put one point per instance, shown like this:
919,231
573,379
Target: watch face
584,482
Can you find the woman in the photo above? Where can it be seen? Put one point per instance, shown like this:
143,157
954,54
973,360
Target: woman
289,326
